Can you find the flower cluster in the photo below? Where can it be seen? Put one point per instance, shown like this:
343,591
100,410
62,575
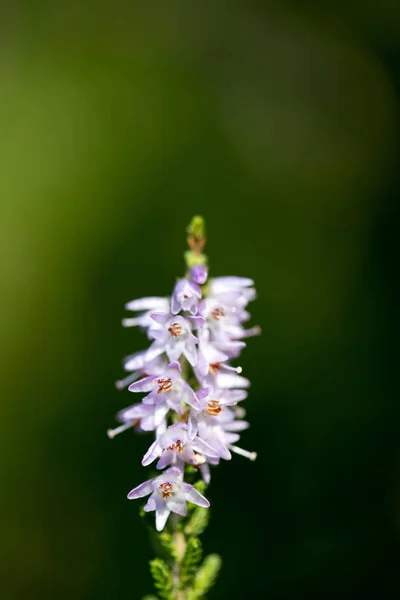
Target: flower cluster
191,391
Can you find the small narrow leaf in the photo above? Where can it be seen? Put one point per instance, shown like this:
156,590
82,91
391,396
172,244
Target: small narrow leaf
205,577
162,578
167,544
191,560
198,521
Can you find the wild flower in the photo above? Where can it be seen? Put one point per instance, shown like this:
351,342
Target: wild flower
190,400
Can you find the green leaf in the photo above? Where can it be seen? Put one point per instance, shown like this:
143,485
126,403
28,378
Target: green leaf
205,577
198,521
149,598
190,561
162,578
167,544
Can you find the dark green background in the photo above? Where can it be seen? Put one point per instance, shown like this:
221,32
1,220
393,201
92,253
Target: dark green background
278,121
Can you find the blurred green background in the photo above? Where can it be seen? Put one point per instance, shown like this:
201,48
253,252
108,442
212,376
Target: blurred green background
279,122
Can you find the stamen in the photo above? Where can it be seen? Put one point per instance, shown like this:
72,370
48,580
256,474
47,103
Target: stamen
177,446
175,329
113,432
213,408
217,313
215,367
237,370
165,385
166,489
122,383
250,455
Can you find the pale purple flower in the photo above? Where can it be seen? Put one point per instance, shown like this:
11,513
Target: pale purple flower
185,296
220,432
174,447
207,354
212,403
223,375
167,388
144,306
139,366
239,288
224,319
169,493
199,274
175,337
142,417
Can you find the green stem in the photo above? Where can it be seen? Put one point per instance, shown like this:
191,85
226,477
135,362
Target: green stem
180,549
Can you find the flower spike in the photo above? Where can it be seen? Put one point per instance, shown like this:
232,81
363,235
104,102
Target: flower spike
190,394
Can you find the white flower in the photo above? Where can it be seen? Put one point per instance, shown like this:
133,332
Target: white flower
169,494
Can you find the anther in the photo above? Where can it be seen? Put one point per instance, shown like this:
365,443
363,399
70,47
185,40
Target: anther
175,329
213,408
166,489
164,385
217,313
177,446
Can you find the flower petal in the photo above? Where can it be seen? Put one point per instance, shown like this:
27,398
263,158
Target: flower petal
143,385
194,496
202,446
160,317
150,504
144,489
190,353
152,453
166,459
162,514
177,505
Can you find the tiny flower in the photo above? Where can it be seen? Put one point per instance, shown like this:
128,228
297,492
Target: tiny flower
167,388
142,417
175,337
185,296
223,375
199,274
139,366
220,432
224,319
175,447
169,493
207,354
212,402
145,306
239,287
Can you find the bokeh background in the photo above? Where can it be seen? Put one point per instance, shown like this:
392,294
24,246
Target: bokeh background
278,121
